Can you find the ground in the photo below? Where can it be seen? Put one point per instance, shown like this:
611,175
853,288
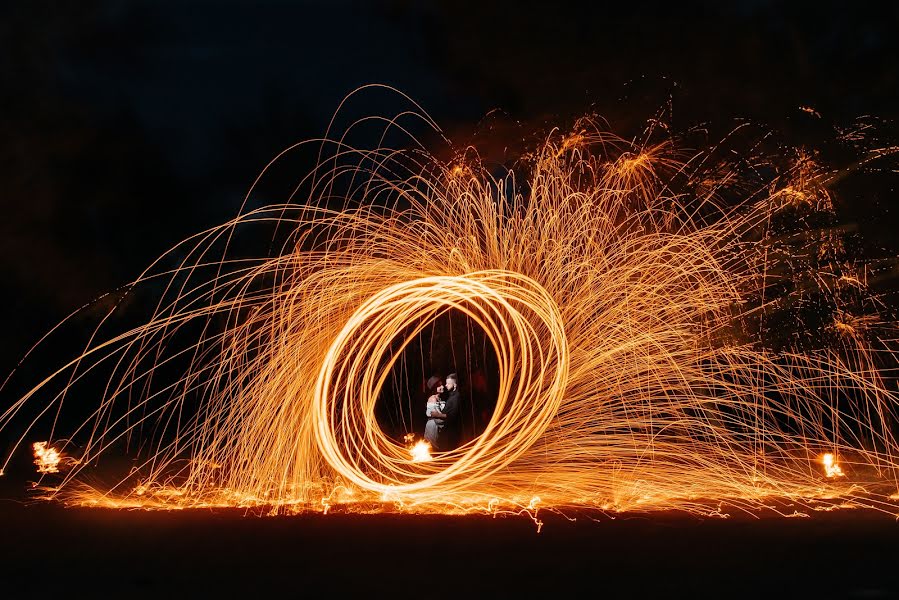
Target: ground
48,549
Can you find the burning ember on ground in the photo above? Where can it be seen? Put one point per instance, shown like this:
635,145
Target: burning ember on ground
46,458
831,468
421,451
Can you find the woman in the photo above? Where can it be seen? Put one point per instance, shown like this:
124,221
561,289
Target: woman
433,405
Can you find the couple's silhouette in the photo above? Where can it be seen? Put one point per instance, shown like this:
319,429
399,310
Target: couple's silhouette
442,410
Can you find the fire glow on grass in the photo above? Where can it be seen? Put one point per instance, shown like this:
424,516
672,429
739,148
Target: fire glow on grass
630,289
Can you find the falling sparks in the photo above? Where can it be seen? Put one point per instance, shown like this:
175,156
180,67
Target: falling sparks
46,459
811,111
622,284
831,468
850,325
571,142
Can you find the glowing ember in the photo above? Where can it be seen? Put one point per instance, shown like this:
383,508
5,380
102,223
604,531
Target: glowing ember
421,452
831,468
46,458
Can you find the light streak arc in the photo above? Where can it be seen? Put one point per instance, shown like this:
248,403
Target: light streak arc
619,287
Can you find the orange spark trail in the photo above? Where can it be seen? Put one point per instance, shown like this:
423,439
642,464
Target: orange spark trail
628,289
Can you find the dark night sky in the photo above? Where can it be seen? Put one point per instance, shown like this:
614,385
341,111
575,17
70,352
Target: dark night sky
127,126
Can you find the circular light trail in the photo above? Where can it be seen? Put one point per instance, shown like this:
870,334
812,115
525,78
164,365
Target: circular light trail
524,326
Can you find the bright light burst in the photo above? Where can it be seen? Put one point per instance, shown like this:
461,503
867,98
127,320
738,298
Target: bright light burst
831,468
634,294
46,459
421,451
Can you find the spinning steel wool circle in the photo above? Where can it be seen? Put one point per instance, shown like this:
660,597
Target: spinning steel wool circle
524,326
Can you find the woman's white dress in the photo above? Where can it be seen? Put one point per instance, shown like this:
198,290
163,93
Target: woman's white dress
432,427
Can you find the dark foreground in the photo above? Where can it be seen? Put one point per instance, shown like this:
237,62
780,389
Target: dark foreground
100,553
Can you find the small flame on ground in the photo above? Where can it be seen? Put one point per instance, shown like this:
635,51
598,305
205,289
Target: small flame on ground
811,111
421,452
46,459
831,468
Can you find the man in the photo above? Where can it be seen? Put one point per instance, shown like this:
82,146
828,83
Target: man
448,431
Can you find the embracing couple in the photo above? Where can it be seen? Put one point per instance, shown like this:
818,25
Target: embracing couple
442,410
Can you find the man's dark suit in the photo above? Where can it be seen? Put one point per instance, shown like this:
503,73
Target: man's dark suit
449,433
